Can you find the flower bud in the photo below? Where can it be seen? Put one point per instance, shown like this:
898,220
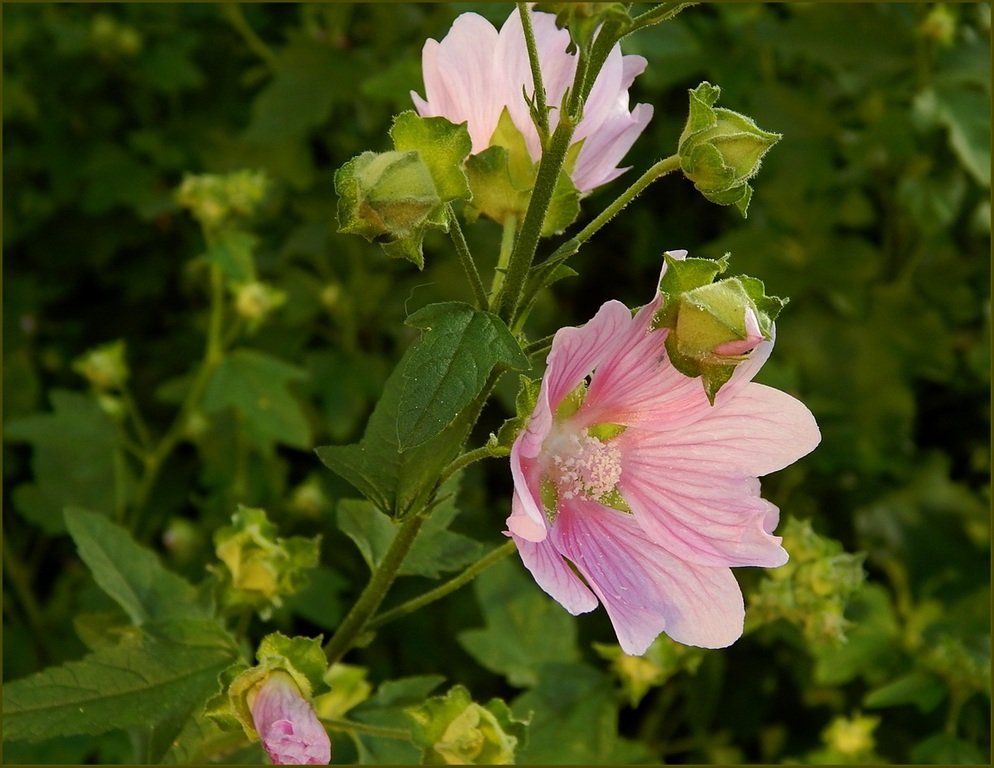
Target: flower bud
285,721
215,200
259,568
721,150
714,326
389,195
454,729
105,367
255,301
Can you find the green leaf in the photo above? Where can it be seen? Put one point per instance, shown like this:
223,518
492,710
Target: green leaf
396,481
435,550
923,690
307,82
574,719
524,629
77,461
966,114
386,708
145,679
231,250
131,574
443,147
449,366
254,384
946,749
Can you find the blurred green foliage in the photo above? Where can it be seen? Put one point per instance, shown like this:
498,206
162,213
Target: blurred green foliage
872,214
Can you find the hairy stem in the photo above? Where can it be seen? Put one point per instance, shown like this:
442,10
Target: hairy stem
541,107
503,259
233,13
466,258
355,622
471,572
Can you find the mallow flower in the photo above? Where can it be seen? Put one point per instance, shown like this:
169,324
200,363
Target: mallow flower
475,72
632,490
286,723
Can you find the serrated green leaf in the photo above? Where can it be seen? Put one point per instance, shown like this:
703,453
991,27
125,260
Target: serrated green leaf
524,629
231,250
131,574
443,147
435,550
396,481
77,460
145,679
574,719
449,366
254,384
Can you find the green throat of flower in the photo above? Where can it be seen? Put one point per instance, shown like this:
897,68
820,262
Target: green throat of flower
580,462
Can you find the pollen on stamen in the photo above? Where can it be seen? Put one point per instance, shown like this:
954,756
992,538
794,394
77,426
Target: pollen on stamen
585,466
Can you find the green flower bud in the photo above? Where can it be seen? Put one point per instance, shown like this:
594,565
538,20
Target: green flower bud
217,200
661,661
182,540
309,499
851,739
259,568
105,367
720,150
455,730
255,301
713,325
385,196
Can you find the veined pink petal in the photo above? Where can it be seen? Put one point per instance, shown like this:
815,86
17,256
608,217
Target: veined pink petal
554,576
645,589
700,517
462,80
576,351
600,154
758,431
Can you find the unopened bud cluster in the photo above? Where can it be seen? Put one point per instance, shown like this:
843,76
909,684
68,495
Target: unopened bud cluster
220,200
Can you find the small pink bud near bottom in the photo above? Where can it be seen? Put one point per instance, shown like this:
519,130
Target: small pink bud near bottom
286,723
753,337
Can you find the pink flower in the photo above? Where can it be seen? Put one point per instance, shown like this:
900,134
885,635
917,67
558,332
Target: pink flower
476,71
646,489
287,725
753,338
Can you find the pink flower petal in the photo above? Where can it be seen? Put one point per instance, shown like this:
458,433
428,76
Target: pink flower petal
554,576
602,151
700,517
645,589
758,431
287,726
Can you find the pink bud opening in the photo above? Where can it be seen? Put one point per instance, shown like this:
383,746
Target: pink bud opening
286,724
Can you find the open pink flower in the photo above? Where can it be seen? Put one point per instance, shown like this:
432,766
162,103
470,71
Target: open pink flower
476,71
287,725
645,488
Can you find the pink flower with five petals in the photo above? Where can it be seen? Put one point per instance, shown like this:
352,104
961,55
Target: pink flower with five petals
626,473
476,71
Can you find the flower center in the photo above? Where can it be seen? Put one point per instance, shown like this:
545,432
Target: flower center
579,464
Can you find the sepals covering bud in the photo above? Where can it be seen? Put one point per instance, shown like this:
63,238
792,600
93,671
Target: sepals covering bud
714,326
720,150
393,197
260,568
219,201
272,701
455,730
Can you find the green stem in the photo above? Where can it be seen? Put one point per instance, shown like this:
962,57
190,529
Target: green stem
466,258
571,246
233,13
492,557
538,346
351,726
131,409
463,461
523,252
506,248
213,353
662,12
541,107
355,622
